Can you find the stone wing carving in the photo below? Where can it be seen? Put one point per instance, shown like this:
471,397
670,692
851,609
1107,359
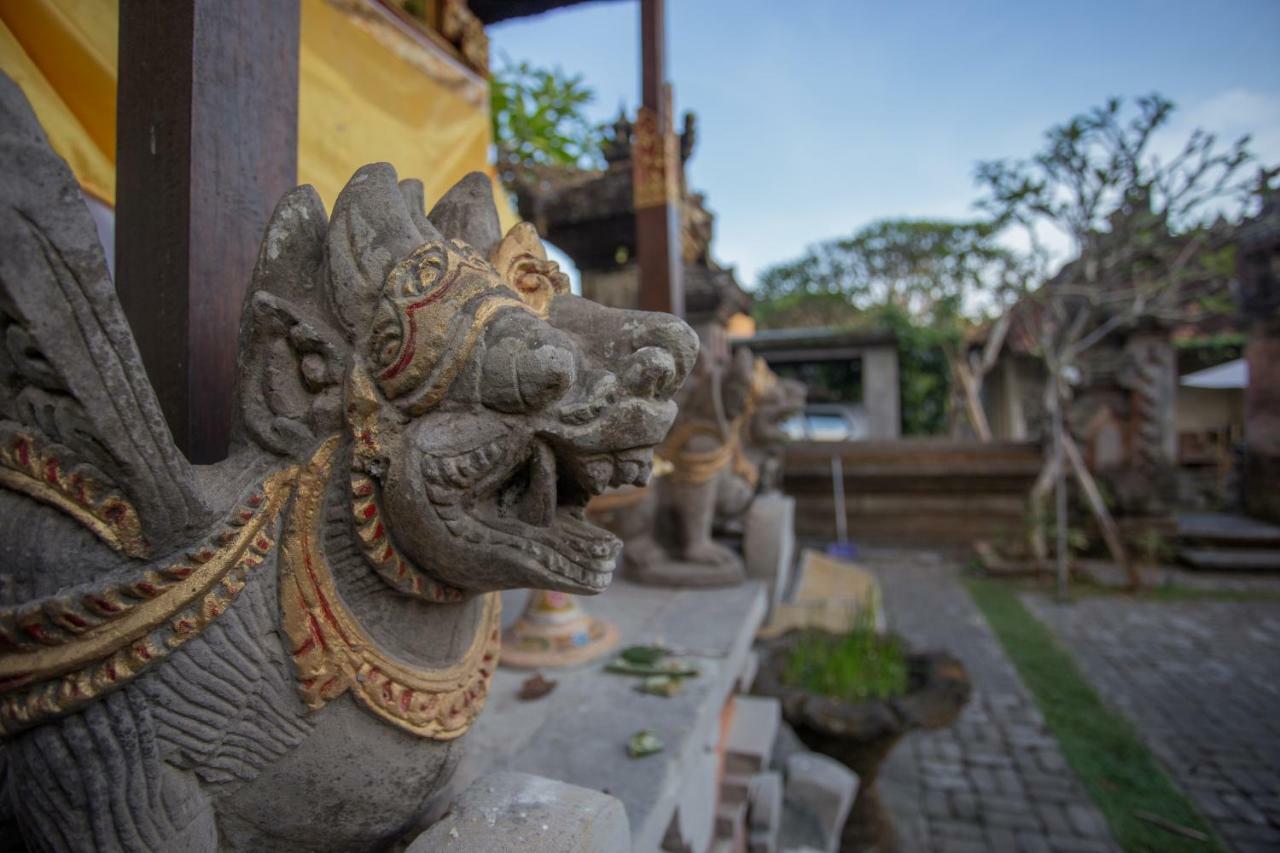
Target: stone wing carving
80,427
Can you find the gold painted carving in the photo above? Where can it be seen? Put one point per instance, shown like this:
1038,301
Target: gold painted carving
521,260
334,654
425,327
655,160
763,380
46,476
62,652
381,552
695,467
464,30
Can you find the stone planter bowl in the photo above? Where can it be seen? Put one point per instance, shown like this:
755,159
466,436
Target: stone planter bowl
861,734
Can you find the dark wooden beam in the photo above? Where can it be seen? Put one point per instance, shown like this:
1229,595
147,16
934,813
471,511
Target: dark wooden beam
656,178
207,142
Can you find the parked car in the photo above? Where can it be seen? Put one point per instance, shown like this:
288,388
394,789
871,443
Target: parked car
828,422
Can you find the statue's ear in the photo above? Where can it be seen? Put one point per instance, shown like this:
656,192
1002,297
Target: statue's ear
467,213
415,198
372,230
292,354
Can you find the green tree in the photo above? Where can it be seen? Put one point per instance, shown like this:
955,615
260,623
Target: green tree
928,268
539,119
923,278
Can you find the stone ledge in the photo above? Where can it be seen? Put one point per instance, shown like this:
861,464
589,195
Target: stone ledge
515,811
578,733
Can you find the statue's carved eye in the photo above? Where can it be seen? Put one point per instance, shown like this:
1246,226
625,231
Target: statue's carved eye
387,337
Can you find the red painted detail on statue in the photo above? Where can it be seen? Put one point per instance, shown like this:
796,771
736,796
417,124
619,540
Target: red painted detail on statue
406,355
101,603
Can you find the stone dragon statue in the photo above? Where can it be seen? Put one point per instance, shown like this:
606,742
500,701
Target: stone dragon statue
756,461
666,527
281,651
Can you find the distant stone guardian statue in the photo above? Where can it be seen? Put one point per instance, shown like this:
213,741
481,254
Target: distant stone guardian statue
667,527
281,651
756,464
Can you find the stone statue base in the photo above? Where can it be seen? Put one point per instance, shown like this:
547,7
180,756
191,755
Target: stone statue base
673,572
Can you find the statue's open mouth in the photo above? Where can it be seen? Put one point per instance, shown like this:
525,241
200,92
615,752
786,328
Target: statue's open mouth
540,508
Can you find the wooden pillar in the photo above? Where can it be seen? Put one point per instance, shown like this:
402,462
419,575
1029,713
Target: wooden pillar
656,176
207,142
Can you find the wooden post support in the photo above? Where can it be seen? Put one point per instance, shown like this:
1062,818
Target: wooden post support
207,142
656,175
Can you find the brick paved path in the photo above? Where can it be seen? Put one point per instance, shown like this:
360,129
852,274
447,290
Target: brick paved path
1201,682
996,780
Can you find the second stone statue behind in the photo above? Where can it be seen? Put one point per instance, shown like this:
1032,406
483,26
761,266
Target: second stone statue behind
721,454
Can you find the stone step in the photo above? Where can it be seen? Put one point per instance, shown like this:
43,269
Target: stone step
1224,529
1232,559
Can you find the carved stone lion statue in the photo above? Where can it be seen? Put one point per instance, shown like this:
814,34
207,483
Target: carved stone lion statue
667,527
281,651
756,461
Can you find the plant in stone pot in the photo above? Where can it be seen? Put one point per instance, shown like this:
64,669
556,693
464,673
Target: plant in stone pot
852,696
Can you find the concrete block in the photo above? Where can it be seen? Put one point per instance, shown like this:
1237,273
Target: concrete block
764,812
693,823
752,732
731,820
516,811
750,666
820,791
769,543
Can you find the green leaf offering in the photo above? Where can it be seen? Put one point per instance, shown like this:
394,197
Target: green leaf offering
642,743
661,685
643,655
673,668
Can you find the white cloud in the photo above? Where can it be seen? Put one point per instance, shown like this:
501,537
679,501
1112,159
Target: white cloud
1229,115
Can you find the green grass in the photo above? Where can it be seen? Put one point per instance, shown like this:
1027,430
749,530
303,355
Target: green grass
1081,588
855,666
1122,777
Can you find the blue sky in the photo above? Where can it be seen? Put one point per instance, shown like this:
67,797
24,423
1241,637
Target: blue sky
818,117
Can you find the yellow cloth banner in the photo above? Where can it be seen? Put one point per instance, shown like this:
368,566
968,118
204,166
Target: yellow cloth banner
368,91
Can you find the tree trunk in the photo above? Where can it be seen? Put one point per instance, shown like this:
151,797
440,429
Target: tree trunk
1107,524
971,389
1059,489
1039,493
